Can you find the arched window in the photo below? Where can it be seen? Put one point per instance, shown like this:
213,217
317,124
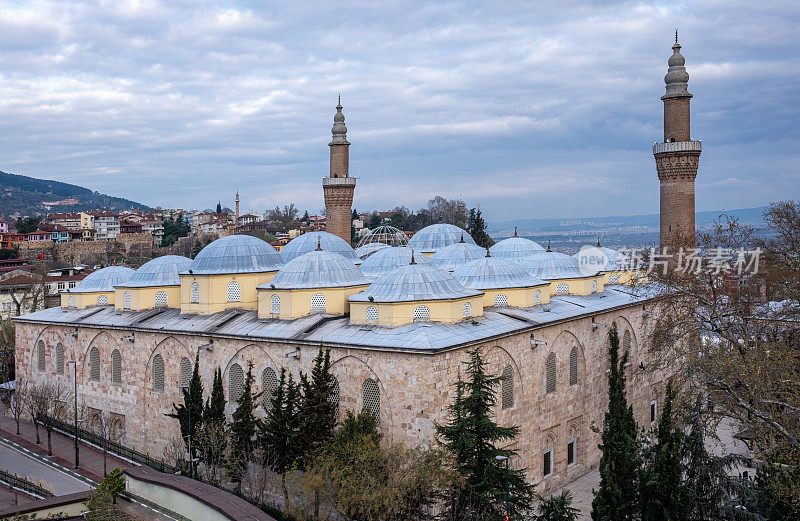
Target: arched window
161,299
269,383
466,311
116,367
71,302
334,397
126,300
507,390
537,296
186,372
195,293
234,292
626,342
59,359
573,366
594,286
40,361
318,302
275,305
562,288
102,300
158,374
613,278
94,364
551,373
500,299
372,314
235,382
371,396
422,313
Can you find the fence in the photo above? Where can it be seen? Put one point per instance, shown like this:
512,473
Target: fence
23,484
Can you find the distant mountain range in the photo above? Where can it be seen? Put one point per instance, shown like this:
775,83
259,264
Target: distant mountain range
27,196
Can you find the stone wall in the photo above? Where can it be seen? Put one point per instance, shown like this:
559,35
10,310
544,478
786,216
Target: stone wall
134,246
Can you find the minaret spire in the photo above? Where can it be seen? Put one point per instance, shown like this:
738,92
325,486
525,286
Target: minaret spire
339,187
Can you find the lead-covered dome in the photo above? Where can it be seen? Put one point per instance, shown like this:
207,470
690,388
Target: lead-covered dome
103,280
317,269
451,257
368,249
236,254
515,248
389,259
161,271
613,258
309,242
436,236
552,265
414,282
494,273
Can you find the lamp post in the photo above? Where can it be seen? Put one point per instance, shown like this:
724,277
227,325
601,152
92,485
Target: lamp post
185,388
508,509
75,395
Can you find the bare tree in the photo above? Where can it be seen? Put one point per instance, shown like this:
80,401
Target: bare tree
175,453
7,348
19,403
104,425
28,295
211,440
36,405
54,402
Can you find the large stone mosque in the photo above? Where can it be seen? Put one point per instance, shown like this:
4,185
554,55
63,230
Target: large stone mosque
398,323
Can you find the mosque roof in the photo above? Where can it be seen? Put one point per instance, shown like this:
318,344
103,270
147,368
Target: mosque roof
103,280
493,273
317,269
414,282
613,258
551,265
437,236
327,241
161,271
455,255
515,248
236,254
389,259
368,249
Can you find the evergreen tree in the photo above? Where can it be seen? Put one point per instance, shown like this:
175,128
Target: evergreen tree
662,491
214,410
243,431
620,462
471,437
192,400
219,207
477,228
317,415
557,508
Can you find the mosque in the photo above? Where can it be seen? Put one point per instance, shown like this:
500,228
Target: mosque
398,322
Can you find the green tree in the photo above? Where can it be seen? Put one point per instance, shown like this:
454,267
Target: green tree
557,508
317,414
219,206
192,401
6,253
662,491
214,410
114,483
27,224
477,228
242,431
620,461
471,436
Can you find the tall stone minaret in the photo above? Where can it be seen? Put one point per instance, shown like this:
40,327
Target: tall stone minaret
339,186
677,158
236,223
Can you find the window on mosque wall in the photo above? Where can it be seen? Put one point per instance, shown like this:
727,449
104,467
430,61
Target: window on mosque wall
626,342
507,388
547,463
186,372
372,314
195,293
571,454
116,367
94,364
334,397
422,313
235,382
318,303
102,300
613,278
562,288
275,304
158,374
550,386
501,300
40,360
59,359
71,302
594,286
537,297
161,299
466,311
371,396
573,366
234,292
126,300
269,383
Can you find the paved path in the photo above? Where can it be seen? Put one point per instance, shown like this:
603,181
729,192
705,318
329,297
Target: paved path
23,465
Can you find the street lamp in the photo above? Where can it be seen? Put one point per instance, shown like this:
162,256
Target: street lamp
185,388
508,509
75,395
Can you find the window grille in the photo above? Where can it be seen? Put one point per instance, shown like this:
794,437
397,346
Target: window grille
372,314
269,383
116,367
507,390
94,364
195,293
500,300
318,302
235,382
626,342
573,366
571,452
371,395
71,302
653,411
547,463
562,288
126,300
537,296
59,359
186,372
102,300
60,286
613,278
158,374
161,299
334,397
40,362
466,311
234,292
551,373
594,286
275,304
422,313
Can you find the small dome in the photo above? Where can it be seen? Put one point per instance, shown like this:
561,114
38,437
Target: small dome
161,271
103,280
317,269
552,265
613,257
412,283
389,259
515,248
309,242
493,273
368,249
437,236
455,255
236,254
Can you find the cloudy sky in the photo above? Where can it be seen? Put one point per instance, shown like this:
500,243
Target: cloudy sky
526,109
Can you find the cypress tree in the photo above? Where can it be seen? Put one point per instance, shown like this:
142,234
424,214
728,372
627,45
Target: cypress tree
662,490
243,430
471,436
620,462
192,399
214,410
317,415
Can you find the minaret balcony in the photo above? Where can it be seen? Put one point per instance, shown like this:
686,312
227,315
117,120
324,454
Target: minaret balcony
677,146
338,181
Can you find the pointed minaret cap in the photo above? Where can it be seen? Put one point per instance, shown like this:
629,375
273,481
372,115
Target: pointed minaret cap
548,245
319,245
487,253
339,129
462,238
598,242
515,231
677,78
412,259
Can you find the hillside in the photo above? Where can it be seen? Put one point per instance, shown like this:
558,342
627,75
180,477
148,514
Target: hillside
27,196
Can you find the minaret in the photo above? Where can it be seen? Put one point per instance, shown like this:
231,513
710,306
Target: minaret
339,186
236,223
677,158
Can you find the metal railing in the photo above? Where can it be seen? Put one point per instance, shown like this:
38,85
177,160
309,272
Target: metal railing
329,181
23,484
678,146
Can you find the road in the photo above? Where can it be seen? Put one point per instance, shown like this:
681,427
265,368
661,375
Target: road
17,462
